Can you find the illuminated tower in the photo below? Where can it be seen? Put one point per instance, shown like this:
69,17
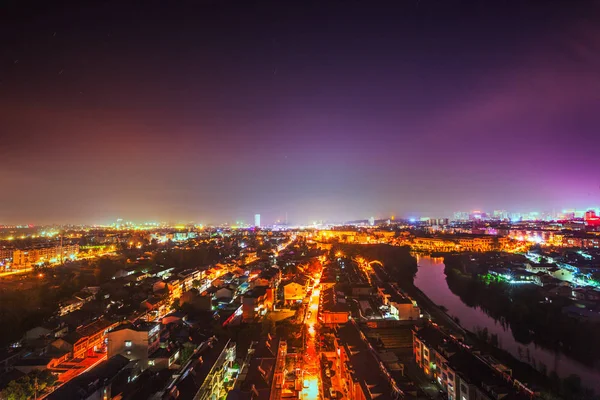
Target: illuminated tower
257,220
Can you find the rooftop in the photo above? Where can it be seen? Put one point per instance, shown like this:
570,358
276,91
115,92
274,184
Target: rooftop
331,302
367,370
95,327
256,292
201,367
87,383
139,326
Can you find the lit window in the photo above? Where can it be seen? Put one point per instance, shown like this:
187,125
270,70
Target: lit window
128,343
150,362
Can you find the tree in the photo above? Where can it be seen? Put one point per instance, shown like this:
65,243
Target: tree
554,381
27,386
105,268
18,390
542,368
494,340
187,350
572,384
483,334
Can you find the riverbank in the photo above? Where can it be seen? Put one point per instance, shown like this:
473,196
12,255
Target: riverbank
531,315
522,371
431,282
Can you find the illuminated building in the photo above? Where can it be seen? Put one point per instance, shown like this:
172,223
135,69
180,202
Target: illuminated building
86,340
461,216
500,214
136,342
155,306
256,303
257,220
477,215
5,254
257,371
96,383
349,236
29,257
591,219
222,375
188,277
334,310
361,373
75,303
462,374
447,243
295,290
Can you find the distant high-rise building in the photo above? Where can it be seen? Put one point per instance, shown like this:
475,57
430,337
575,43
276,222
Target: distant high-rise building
568,214
257,220
516,217
500,214
591,218
477,215
461,216
372,221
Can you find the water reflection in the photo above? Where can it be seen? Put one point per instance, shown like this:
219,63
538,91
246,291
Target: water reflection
431,280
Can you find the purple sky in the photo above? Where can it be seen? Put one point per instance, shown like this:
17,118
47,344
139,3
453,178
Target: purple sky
212,111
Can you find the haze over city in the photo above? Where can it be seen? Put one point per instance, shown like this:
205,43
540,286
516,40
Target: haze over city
214,111
300,200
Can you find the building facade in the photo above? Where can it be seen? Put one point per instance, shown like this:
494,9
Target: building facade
54,254
136,342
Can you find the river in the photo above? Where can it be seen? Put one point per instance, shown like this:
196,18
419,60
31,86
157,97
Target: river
431,280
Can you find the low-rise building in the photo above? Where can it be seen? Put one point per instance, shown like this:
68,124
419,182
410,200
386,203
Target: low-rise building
96,383
256,303
295,290
257,371
405,309
156,306
333,309
461,373
70,305
224,294
86,340
362,374
362,289
75,303
51,254
134,341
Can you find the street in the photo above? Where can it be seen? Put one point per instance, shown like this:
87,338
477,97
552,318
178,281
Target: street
311,368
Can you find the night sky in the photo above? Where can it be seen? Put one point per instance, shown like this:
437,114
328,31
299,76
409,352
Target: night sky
212,111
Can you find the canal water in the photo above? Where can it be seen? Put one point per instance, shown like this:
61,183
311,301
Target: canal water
431,280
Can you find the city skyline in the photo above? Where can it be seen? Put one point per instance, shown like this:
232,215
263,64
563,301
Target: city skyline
255,220
316,200
377,111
